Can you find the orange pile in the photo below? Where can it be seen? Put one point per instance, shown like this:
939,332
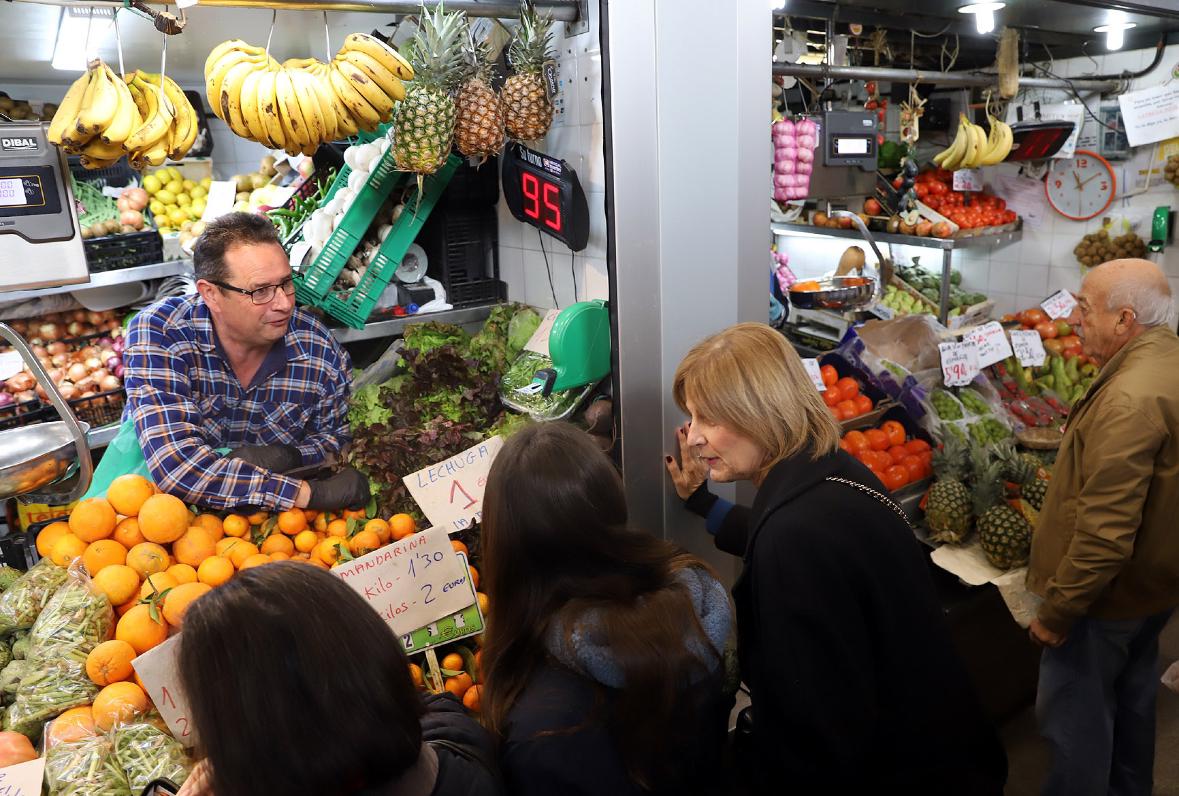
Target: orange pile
890,453
843,396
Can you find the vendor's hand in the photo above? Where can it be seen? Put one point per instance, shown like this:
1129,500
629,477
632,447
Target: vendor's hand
688,473
346,489
197,783
276,458
1044,637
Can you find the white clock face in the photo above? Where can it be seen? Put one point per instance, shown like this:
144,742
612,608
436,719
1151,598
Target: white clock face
1081,187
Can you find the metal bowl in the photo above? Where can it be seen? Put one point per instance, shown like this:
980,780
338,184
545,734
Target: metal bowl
33,456
835,293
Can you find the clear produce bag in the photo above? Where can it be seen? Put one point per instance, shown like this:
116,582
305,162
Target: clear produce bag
47,691
75,620
87,767
146,751
22,603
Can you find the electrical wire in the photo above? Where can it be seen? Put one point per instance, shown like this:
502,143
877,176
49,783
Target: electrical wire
1077,96
548,269
573,271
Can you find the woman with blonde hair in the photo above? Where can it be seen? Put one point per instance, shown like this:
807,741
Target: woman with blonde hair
855,684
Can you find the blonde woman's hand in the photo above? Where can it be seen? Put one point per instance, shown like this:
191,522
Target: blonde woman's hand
197,783
688,472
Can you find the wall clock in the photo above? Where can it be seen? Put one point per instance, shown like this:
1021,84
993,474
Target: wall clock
1082,186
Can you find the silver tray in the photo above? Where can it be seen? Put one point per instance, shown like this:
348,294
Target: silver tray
835,293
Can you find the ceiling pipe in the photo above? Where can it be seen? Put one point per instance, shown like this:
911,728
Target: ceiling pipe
979,79
559,10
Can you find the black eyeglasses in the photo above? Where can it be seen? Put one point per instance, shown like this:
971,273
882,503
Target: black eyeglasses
260,295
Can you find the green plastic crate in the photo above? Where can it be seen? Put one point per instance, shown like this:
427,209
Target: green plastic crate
355,309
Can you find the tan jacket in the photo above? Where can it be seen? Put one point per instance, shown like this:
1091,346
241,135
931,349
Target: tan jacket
1107,543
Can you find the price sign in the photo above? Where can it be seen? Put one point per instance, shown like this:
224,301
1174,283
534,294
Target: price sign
451,493
468,622
811,366
22,779
1059,305
10,364
968,180
412,582
1029,348
990,342
959,363
159,669
882,312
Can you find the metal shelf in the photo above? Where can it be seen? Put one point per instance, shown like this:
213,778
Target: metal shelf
107,278
101,437
395,326
945,244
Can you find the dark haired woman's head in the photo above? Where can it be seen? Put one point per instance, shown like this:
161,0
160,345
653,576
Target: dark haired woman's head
303,689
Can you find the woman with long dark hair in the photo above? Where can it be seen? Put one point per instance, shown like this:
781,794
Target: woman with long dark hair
300,688
604,650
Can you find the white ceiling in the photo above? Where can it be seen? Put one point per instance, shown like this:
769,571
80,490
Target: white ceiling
28,32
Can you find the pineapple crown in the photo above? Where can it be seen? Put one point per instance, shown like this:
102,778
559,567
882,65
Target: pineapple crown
951,461
989,488
435,51
477,61
531,46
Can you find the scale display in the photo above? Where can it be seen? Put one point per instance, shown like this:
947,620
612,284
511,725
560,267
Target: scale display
23,191
543,191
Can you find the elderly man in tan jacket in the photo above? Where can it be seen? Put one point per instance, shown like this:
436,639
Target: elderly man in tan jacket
1105,554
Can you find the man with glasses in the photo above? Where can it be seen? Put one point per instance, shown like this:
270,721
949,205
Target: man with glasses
239,366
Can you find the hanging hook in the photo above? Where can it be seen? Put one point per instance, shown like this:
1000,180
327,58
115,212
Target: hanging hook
327,41
270,35
119,43
165,23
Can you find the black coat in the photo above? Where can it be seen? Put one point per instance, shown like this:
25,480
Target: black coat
843,644
466,752
558,745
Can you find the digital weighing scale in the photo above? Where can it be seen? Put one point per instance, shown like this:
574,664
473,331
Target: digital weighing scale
40,240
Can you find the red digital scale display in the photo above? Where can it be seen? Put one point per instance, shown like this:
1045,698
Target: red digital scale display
543,191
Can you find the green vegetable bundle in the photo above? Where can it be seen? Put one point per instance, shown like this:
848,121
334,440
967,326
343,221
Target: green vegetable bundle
77,617
21,605
145,752
11,676
85,768
47,691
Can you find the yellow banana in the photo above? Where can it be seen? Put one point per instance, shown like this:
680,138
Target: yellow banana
301,63
382,53
950,157
980,145
345,127
230,97
248,98
293,126
97,149
215,77
321,122
92,163
123,123
268,109
363,115
185,124
67,111
97,113
378,99
156,126
75,133
385,80
225,47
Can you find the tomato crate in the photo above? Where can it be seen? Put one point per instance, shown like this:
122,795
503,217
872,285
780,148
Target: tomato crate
356,305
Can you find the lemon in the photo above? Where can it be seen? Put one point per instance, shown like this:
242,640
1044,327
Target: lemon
157,207
189,185
206,182
177,216
175,186
151,184
183,199
166,196
198,207
198,192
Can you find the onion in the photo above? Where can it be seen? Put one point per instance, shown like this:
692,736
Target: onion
55,348
56,374
119,371
117,346
86,384
75,329
100,374
786,167
92,363
89,394
48,331
41,351
113,362
804,168
95,318
25,396
105,341
77,372
68,391
108,383
805,156
21,382
131,218
782,194
806,127
6,399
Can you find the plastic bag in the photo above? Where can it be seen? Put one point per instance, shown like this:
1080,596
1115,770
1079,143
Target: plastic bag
22,604
47,691
122,456
77,617
146,751
87,767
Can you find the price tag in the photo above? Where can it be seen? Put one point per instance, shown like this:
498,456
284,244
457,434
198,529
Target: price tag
468,622
10,364
959,363
159,669
22,779
812,369
451,493
990,342
1029,348
882,312
968,180
411,583
1059,305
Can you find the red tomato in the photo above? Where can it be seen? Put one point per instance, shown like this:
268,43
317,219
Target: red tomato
872,207
863,403
1068,340
1046,330
1071,352
843,446
877,439
916,446
856,441
847,410
834,412
1030,318
831,396
897,453
895,432
1054,346
829,374
848,388
895,477
866,457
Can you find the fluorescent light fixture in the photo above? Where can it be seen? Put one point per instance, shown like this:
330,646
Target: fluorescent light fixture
777,5
74,47
984,15
1115,31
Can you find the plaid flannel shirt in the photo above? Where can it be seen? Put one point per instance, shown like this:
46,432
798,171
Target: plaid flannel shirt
185,401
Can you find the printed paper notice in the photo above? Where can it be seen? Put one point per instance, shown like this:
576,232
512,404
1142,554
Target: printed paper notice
811,365
959,363
22,779
1029,348
222,194
450,493
159,669
968,180
990,342
411,582
1059,305
539,342
1151,114
1025,197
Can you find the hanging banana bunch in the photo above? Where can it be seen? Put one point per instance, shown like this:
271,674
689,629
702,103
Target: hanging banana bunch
972,147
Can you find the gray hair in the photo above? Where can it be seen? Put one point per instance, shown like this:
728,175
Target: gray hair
1151,306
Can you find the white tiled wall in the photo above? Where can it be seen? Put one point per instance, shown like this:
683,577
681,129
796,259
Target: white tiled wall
576,137
1020,275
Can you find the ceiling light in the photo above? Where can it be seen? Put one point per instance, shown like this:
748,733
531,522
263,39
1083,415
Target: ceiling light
984,15
79,34
1115,32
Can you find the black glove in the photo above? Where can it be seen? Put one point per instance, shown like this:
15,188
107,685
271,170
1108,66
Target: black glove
346,489
276,458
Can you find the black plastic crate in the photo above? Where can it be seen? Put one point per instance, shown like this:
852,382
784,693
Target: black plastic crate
102,409
124,251
25,414
472,188
462,248
205,147
472,294
117,176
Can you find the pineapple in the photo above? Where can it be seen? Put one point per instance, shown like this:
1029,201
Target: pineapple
527,109
1023,469
1004,533
947,511
424,121
479,129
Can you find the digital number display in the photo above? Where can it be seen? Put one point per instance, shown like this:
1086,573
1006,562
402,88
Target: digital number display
542,200
542,191
12,192
851,146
